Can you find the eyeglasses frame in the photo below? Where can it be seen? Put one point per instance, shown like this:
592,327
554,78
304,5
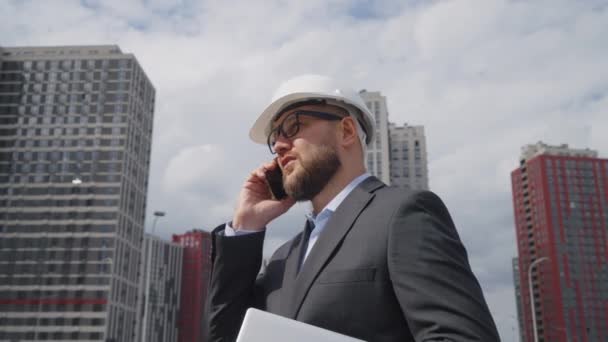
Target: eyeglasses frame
298,113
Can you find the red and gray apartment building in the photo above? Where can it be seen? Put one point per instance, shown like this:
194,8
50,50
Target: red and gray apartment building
560,198
75,140
196,273
160,279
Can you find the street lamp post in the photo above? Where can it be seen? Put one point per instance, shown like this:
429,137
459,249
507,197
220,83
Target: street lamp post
536,262
157,215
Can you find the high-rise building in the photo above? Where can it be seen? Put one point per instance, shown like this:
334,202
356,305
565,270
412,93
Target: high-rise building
560,198
196,273
408,164
377,158
517,286
75,138
159,290
397,156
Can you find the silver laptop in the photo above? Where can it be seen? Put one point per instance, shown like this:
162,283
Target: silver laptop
261,326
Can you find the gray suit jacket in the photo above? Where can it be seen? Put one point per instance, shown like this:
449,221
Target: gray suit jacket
389,266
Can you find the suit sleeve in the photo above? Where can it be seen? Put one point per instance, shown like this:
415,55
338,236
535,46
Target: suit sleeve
234,285
430,272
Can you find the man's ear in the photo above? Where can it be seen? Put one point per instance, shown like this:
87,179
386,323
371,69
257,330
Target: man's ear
348,132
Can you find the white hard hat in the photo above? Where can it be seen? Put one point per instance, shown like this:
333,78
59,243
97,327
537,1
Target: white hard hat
312,87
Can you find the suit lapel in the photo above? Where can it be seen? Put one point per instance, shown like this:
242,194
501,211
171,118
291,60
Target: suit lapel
292,266
337,227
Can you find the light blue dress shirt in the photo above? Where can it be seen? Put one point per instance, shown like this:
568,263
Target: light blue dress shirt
319,221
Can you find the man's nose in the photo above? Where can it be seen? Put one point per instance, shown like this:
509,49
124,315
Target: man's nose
282,144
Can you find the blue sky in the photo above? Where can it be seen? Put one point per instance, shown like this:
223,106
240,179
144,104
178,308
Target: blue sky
484,77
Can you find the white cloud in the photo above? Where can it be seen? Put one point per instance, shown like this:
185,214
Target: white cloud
449,26
483,77
193,167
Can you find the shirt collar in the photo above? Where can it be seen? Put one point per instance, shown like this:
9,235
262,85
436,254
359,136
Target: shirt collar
339,198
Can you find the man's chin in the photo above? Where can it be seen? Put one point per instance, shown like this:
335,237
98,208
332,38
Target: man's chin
288,180
289,172
289,168
291,183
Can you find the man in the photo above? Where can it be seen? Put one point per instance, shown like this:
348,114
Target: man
372,262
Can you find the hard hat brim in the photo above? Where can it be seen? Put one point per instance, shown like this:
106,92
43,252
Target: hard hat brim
260,129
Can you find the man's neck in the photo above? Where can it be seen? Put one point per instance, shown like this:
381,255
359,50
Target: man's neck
336,184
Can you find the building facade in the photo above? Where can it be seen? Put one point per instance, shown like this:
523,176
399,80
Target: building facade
397,156
517,286
377,158
560,200
159,290
196,273
408,158
75,138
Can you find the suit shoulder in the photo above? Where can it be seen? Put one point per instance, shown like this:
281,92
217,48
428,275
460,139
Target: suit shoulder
408,201
394,193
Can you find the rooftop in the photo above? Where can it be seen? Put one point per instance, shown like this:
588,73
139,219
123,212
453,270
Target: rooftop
530,151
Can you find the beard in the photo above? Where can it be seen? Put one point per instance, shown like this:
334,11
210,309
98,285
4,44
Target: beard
305,182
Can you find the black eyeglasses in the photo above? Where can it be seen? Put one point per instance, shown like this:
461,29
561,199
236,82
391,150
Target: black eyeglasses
291,125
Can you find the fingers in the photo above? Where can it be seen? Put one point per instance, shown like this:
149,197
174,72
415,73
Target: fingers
256,176
256,181
256,186
260,172
271,165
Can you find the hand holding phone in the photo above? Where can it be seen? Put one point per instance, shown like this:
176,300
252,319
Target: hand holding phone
262,198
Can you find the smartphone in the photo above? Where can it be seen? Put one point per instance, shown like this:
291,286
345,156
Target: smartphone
274,179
